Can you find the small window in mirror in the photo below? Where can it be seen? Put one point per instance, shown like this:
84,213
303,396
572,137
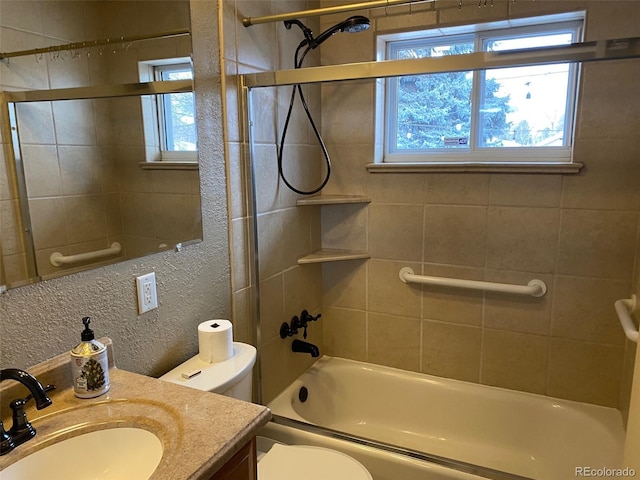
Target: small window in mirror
169,119
176,112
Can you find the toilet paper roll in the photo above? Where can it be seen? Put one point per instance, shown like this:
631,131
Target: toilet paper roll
215,341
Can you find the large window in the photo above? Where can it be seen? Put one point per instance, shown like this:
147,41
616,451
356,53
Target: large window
519,114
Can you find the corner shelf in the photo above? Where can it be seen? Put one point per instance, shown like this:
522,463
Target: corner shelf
332,255
332,200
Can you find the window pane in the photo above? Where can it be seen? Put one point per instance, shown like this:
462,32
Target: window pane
179,113
180,122
524,106
432,111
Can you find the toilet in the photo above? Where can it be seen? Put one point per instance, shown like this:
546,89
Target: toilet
276,461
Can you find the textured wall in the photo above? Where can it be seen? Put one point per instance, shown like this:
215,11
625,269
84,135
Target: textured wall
42,320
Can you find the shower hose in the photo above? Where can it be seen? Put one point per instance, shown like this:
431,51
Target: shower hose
297,88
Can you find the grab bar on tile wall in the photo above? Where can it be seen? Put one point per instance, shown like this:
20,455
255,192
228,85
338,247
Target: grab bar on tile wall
57,259
535,288
624,309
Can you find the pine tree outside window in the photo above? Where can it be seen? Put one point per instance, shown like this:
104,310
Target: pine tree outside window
517,114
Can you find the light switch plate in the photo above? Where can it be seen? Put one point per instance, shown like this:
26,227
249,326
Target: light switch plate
147,294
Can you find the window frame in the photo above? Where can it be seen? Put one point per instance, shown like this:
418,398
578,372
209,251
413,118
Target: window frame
155,121
480,33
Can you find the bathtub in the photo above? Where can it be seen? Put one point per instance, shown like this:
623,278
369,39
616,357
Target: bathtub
418,417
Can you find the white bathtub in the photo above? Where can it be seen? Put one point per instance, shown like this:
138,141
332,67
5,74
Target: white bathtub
529,435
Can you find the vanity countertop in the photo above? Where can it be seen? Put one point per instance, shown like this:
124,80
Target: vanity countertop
200,431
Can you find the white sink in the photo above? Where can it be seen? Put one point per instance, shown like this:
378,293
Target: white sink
110,454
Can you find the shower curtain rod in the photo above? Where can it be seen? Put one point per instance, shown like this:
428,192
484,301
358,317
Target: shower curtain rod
99,91
350,7
94,43
611,49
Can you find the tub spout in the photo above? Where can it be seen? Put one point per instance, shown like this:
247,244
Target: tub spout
305,347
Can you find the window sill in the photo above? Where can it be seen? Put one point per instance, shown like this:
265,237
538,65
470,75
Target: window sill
169,165
475,167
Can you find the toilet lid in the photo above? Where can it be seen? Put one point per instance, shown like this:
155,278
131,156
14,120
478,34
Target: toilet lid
295,462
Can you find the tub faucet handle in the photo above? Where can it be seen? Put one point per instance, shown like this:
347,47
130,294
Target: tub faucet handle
287,330
305,318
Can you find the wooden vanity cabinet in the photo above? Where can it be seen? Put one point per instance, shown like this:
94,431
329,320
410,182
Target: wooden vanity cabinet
242,466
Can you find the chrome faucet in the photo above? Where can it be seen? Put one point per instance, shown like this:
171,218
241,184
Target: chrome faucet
21,430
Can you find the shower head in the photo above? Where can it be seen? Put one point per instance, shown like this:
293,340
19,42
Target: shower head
354,24
351,25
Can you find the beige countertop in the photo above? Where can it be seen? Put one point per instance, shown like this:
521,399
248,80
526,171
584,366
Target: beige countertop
200,431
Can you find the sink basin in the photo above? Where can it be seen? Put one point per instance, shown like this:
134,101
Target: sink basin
113,453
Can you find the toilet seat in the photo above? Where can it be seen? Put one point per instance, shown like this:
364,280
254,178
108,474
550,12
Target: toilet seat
293,462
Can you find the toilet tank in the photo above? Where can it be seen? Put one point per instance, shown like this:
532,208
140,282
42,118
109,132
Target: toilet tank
232,377
241,390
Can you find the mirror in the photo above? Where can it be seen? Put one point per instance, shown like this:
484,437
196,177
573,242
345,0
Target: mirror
86,177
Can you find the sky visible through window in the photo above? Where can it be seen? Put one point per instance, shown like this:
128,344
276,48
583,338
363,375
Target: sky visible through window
537,94
180,115
524,106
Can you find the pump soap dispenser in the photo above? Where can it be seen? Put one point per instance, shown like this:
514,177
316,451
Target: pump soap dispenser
89,365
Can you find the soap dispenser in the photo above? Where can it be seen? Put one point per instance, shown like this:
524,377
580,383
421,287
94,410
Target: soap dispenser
90,365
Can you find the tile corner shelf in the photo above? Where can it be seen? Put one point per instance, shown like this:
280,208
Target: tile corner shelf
332,200
332,255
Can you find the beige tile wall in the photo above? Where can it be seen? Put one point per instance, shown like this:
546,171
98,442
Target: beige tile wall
49,170
578,233
284,231
64,178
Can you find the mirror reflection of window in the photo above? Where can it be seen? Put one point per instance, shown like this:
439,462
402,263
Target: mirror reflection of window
177,125
169,119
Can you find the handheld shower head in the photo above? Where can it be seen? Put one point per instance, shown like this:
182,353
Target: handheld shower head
308,34
354,24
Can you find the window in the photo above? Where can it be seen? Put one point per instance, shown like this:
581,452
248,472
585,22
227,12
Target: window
176,112
515,114
169,119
